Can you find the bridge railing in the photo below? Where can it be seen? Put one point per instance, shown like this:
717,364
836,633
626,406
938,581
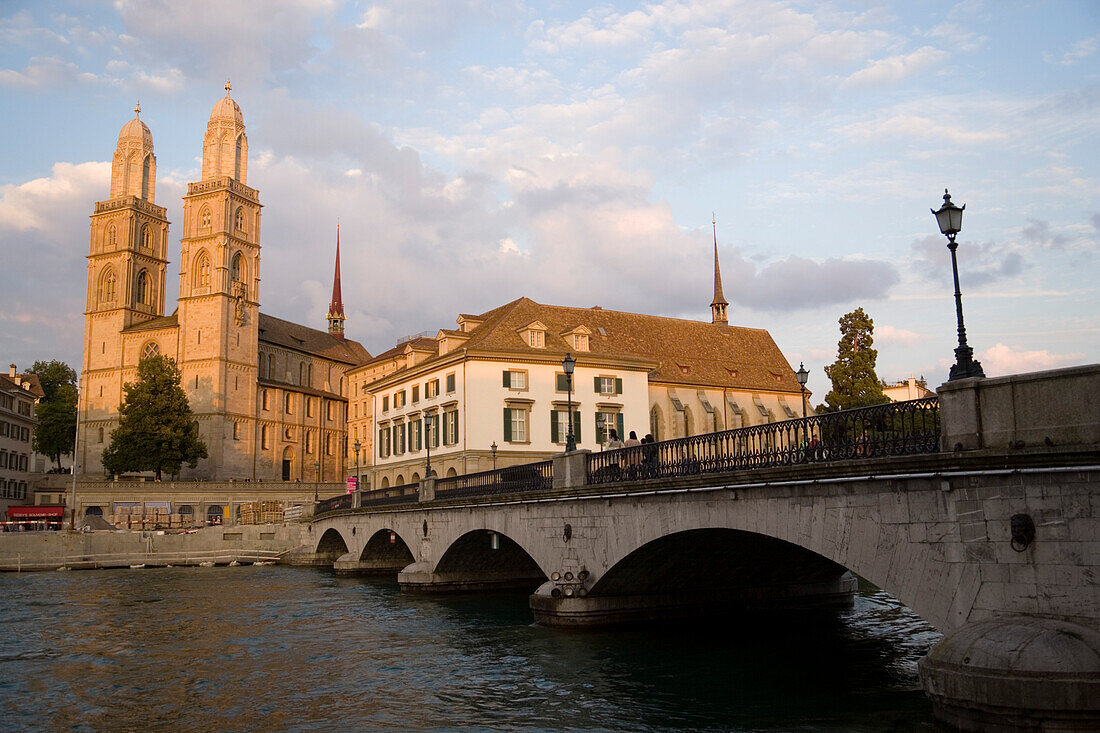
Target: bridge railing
401,494
896,428
343,501
510,479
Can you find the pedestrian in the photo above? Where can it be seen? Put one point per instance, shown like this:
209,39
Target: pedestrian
613,442
634,457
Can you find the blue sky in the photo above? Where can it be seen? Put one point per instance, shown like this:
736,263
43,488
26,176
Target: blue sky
475,152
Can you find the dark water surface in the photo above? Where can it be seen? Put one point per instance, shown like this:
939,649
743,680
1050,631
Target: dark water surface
275,648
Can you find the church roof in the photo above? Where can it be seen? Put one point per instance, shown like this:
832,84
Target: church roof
686,352
137,130
302,338
226,109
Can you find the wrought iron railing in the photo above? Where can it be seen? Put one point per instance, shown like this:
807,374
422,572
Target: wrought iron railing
343,501
402,494
510,479
892,429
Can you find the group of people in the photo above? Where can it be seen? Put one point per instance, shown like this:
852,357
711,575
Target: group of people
614,443
645,458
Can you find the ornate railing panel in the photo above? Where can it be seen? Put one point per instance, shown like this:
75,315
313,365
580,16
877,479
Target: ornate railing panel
896,428
402,494
344,501
525,477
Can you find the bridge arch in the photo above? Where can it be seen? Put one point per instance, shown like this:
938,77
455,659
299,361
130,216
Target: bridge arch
486,557
331,545
385,551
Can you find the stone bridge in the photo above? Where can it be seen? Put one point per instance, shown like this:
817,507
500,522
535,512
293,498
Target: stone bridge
994,540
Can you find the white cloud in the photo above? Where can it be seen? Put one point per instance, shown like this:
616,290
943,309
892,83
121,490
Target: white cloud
908,127
891,335
35,204
1000,360
44,74
895,68
1080,51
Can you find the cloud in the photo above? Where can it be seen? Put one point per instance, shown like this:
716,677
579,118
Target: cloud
1078,52
35,205
796,283
890,335
1000,360
895,68
908,127
981,263
44,74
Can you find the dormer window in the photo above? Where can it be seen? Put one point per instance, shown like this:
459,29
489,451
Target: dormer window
536,339
580,341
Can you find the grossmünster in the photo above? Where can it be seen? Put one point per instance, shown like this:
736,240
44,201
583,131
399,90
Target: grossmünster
269,395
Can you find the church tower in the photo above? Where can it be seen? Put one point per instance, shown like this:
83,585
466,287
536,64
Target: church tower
336,306
219,287
127,263
718,305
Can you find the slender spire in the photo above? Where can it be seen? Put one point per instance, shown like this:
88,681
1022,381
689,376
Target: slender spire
336,307
137,110
718,305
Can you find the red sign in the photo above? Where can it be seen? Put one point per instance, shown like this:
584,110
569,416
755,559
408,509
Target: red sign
29,512
353,484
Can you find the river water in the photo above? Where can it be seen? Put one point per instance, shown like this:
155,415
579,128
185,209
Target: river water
277,648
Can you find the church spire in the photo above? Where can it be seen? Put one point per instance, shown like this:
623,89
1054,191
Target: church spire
336,307
718,305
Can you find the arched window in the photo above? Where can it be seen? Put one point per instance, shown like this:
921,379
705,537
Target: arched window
110,240
150,350
145,178
655,428
204,218
301,372
101,435
141,293
399,480
202,270
263,437
237,161
238,219
270,366
385,482
107,286
236,273
146,237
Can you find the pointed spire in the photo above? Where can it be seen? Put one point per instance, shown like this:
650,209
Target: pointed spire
718,305
228,86
336,307
137,110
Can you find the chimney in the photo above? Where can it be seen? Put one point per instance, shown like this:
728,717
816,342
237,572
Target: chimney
11,371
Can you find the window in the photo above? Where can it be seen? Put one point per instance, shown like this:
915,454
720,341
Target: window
236,269
204,218
415,393
559,426
328,444
107,287
385,403
288,404
309,407
101,435
562,381
416,435
238,219
328,410
384,442
263,399
309,442
263,438
536,339
399,439
236,430
450,383
580,341
141,292
431,388
515,380
399,399
515,424
202,270
146,237
608,385
605,423
111,240
150,350
270,366
432,436
450,427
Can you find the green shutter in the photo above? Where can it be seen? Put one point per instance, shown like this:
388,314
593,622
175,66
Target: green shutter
507,424
619,425
553,426
618,386
454,424
507,378
596,387
577,426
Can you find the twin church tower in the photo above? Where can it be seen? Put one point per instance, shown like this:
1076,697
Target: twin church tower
269,395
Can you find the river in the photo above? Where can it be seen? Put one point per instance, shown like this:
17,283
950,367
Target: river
278,648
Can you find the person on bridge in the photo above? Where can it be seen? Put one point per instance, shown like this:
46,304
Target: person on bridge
613,442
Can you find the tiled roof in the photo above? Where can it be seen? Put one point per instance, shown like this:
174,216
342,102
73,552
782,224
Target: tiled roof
686,352
171,321
422,343
321,343
28,382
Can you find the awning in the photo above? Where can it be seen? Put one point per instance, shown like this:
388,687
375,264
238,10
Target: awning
35,512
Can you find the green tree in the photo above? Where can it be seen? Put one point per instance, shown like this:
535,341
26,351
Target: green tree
156,429
56,411
853,373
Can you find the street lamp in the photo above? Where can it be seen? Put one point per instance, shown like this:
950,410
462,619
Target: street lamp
357,447
428,417
949,217
567,364
493,448
803,376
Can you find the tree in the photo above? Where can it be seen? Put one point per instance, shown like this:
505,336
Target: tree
156,429
853,373
56,411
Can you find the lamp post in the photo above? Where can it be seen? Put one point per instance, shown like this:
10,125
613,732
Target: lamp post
317,480
428,417
803,376
567,365
357,447
949,217
493,448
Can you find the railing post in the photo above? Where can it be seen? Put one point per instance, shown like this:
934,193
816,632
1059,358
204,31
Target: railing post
571,469
427,489
357,499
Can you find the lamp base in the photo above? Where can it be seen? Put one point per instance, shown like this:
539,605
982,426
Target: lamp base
965,365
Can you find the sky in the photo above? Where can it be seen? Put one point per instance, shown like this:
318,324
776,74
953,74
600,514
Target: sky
475,152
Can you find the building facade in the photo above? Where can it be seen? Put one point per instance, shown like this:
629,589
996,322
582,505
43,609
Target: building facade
269,396
19,393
